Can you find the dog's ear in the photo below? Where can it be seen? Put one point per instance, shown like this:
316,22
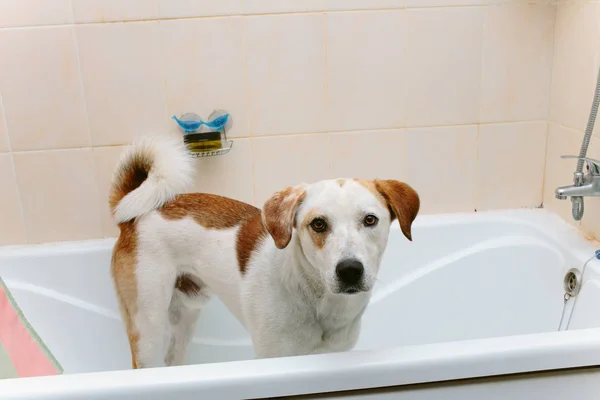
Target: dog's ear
403,202
279,214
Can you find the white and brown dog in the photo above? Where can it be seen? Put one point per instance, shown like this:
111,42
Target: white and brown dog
298,275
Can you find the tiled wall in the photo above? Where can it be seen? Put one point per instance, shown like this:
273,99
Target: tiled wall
449,95
575,70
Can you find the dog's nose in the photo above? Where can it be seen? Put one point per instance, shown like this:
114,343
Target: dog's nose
350,272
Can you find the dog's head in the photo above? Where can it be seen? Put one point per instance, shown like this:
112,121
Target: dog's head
342,226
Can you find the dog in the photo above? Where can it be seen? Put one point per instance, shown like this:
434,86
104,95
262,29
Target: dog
298,274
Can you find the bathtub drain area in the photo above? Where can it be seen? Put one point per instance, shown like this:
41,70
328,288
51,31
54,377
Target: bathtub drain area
572,283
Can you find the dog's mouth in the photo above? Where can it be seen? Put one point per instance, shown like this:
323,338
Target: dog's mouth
352,290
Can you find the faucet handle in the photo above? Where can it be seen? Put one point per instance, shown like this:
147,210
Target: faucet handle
593,165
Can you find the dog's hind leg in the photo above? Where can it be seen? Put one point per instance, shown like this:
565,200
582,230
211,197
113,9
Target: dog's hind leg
156,279
188,299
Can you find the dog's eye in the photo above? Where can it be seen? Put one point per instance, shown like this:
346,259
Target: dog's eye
318,225
371,220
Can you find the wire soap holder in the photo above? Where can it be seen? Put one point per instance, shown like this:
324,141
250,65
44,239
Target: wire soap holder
211,142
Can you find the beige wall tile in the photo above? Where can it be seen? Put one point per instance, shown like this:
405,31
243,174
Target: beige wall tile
228,175
203,74
288,161
198,8
114,10
441,166
41,89
12,228
517,62
339,5
366,91
59,195
286,73
3,132
35,12
443,58
443,3
123,79
575,63
281,6
105,162
510,171
559,172
369,155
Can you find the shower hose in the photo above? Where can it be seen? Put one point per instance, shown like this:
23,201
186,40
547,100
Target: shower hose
577,201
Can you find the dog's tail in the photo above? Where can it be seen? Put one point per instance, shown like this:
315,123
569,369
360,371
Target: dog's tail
151,172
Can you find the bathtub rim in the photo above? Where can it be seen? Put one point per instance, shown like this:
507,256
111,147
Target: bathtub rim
356,370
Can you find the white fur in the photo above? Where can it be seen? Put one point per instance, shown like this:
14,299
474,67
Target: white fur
171,174
290,300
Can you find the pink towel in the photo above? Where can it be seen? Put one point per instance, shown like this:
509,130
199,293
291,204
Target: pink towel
22,352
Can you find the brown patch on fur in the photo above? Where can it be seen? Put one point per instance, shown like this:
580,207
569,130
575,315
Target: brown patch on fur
209,210
129,177
402,201
186,284
370,186
251,233
279,214
217,212
318,238
123,268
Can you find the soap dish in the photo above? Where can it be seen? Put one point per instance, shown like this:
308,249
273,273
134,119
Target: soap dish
206,143
226,145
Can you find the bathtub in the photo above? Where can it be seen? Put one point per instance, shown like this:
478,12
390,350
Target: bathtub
470,309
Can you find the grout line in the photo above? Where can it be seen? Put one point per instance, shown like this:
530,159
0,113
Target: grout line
548,121
329,156
405,41
4,123
252,165
247,95
53,150
287,135
326,48
247,103
544,174
84,98
482,36
550,89
255,15
14,170
476,200
163,65
72,11
567,127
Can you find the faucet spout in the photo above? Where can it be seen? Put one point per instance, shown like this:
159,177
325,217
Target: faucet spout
590,189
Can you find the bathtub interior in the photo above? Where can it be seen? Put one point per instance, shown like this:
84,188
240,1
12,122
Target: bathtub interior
461,278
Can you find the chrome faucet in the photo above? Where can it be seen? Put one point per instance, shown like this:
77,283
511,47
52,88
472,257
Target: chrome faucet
584,185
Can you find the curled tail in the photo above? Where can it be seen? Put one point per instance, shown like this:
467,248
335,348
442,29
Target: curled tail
151,172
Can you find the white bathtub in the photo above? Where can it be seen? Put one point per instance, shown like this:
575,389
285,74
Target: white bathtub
473,296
